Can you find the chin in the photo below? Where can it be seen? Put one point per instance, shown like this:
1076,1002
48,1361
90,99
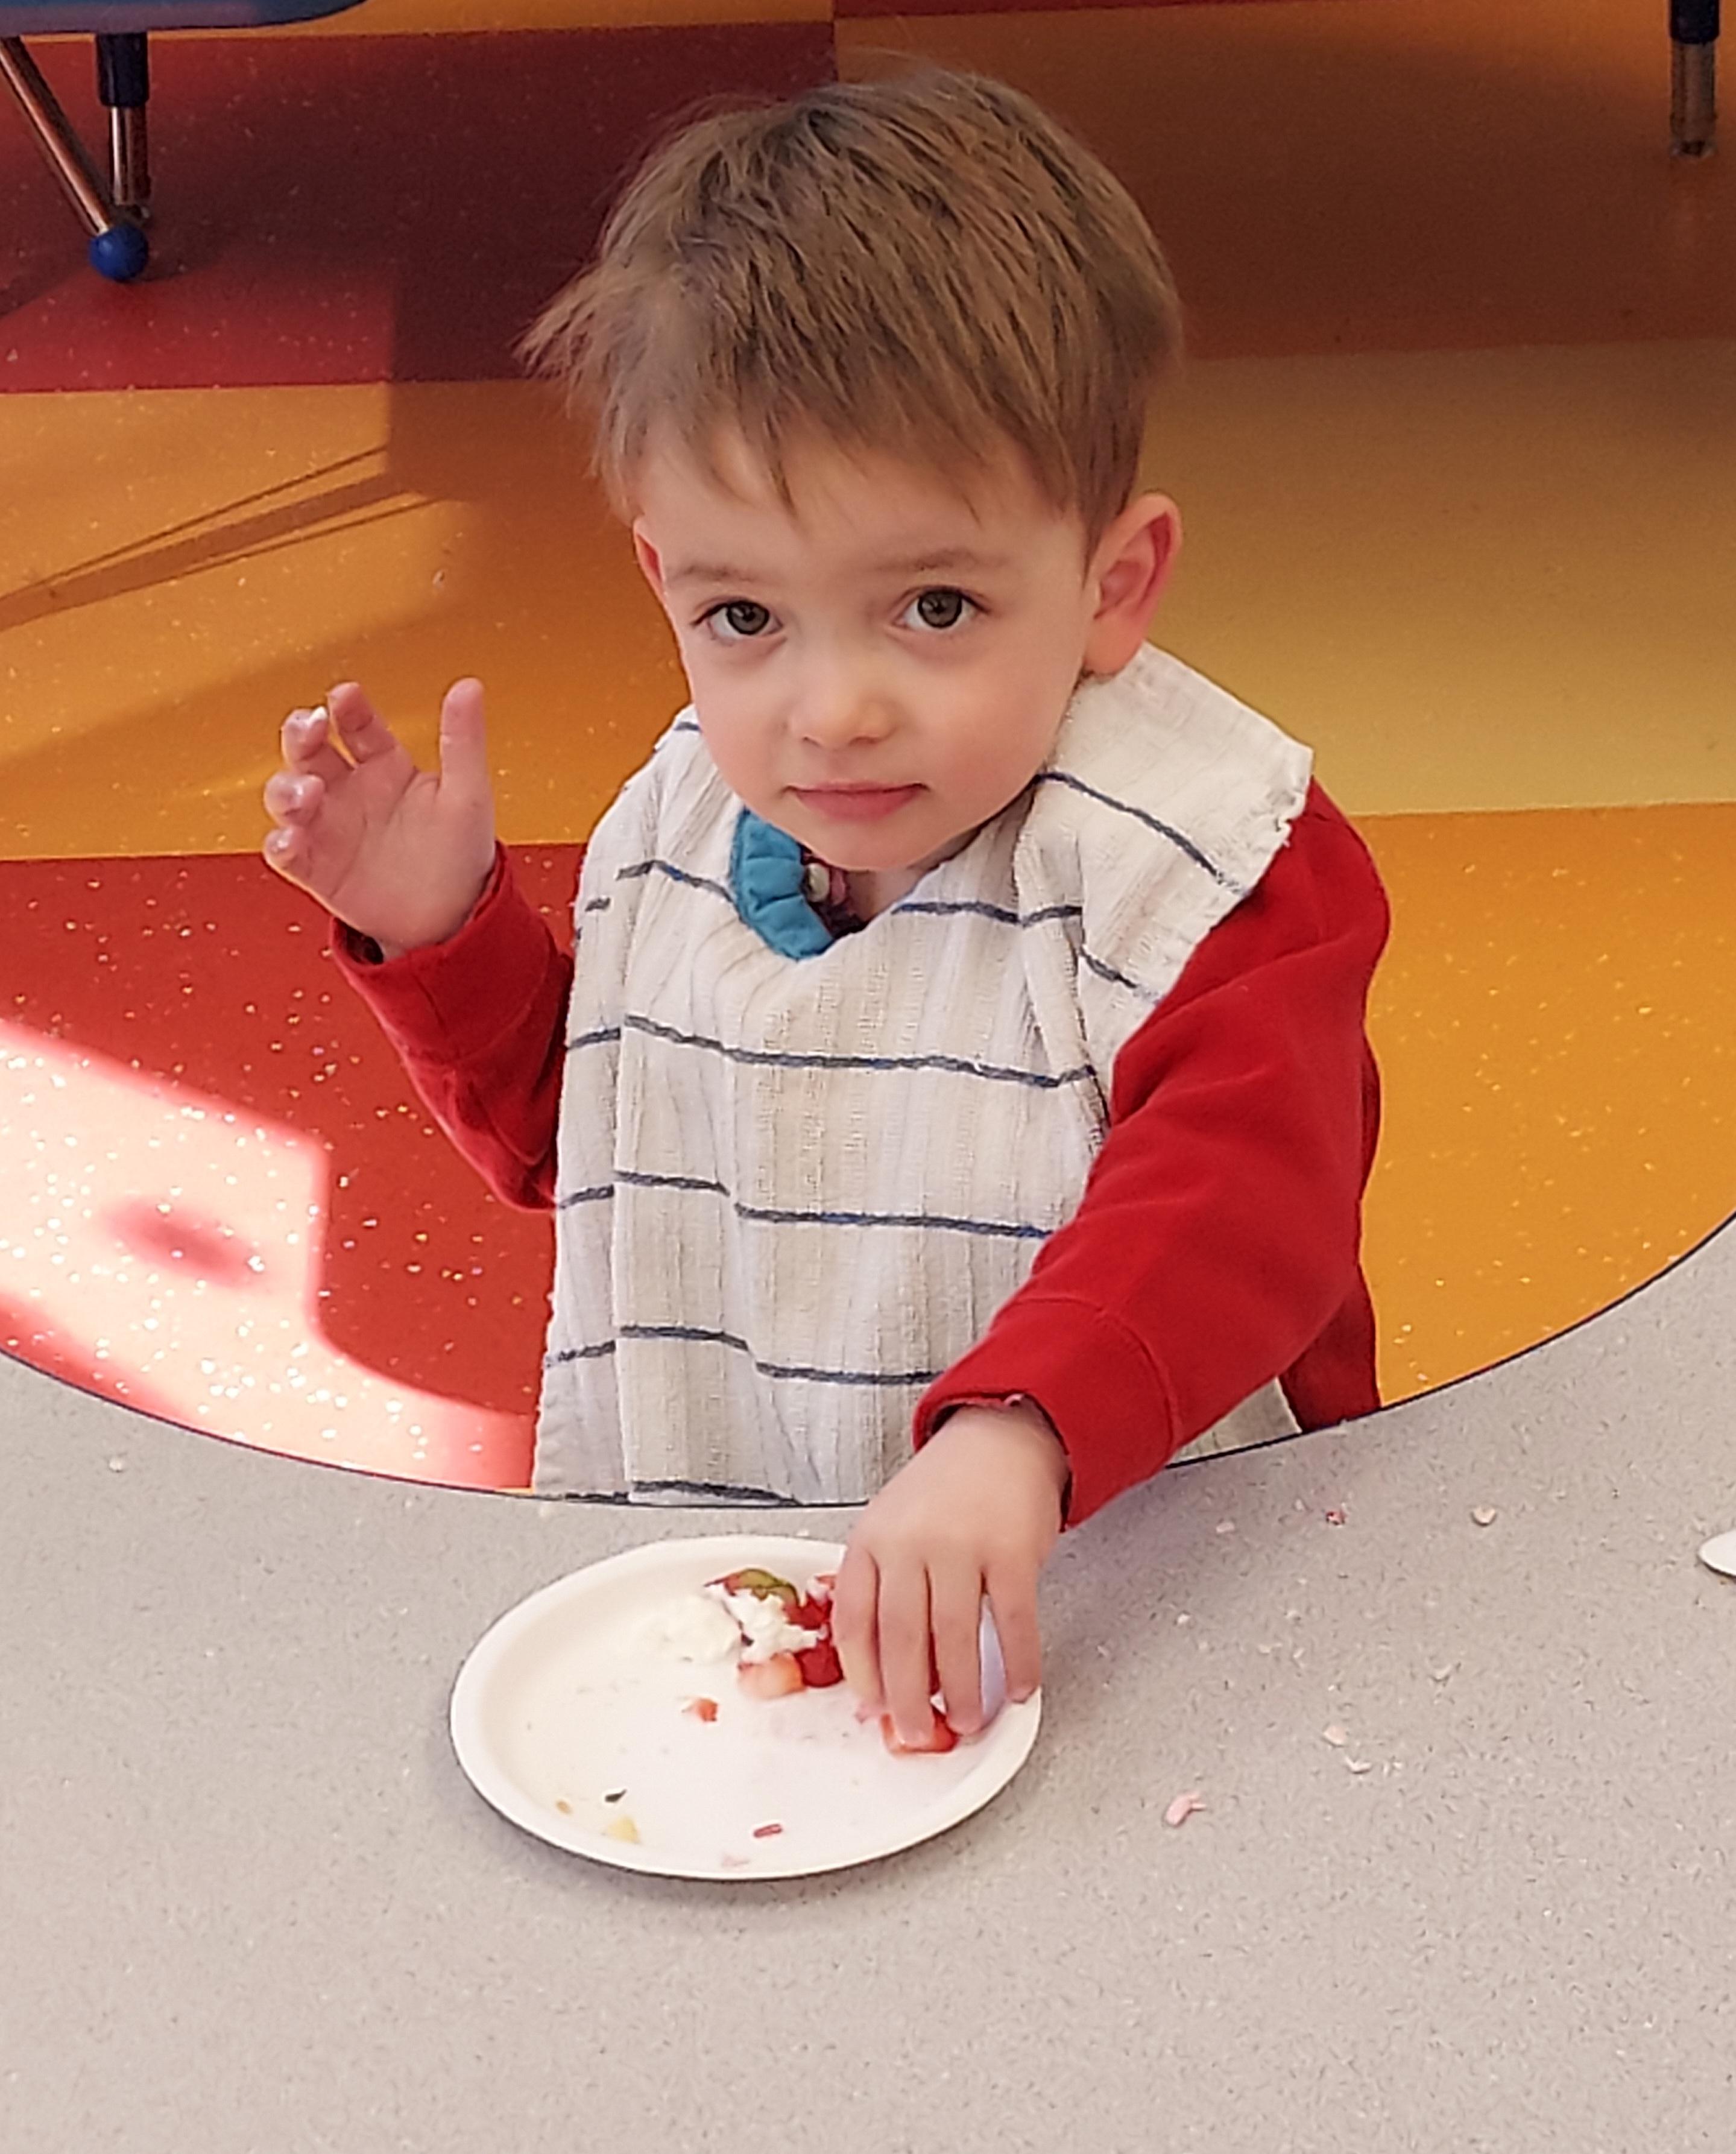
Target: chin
857,854
873,849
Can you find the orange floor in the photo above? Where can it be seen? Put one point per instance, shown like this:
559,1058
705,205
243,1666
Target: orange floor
1457,454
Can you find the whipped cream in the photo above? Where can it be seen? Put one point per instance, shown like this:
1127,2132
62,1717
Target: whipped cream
764,1623
696,1628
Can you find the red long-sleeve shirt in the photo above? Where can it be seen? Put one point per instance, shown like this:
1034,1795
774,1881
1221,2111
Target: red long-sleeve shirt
1216,1245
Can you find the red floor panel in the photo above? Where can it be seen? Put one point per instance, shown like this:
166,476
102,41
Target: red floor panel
171,989
354,209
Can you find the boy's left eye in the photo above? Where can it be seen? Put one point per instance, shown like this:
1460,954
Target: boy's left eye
939,609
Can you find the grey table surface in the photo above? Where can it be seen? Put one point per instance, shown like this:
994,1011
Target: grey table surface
249,1902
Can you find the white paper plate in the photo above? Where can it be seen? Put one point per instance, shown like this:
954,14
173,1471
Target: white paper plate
562,1702
1720,1554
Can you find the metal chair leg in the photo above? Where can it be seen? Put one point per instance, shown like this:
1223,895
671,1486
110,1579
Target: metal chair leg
1693,76
118,248
53,132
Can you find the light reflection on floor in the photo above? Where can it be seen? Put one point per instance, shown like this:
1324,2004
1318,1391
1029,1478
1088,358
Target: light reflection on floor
162,1248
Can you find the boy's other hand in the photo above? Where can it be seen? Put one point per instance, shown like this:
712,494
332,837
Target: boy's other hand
401,854
973,1516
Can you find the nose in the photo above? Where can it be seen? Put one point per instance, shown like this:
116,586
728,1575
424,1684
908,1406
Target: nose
841,707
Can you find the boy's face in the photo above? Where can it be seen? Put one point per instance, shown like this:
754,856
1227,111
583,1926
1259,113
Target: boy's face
884,671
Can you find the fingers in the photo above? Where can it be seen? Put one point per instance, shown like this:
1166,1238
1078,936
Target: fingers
365,733
1012,1602
463,743
955,1614
292,800
906,1661
307,745
856,1602
292,796
284,850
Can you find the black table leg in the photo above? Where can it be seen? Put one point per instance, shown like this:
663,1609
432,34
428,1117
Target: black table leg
1693,76
123,83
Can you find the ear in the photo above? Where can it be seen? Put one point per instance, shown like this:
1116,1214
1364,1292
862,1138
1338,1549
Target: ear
650,562
1133,563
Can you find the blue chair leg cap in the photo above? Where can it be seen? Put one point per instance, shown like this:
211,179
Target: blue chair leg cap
119,253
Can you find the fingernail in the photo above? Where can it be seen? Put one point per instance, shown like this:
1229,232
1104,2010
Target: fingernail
1020,1692
277,844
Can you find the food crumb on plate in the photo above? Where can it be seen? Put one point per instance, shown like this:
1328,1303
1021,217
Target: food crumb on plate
1183,1807
1335,1516
620,1826
767,1831
1336,1735
563,1806
1485,1514
1359,1764
615,1794
702,1708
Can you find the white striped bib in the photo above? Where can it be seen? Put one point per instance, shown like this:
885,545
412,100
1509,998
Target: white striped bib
792,1190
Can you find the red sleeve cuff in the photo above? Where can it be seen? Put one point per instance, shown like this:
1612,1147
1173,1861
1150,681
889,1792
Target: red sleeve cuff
454,998
1104,1395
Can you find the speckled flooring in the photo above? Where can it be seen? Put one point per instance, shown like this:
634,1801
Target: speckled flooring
1457,455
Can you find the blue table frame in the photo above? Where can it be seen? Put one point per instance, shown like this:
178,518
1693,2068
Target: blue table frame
116,209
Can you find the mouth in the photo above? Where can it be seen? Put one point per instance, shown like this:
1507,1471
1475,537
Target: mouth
856,803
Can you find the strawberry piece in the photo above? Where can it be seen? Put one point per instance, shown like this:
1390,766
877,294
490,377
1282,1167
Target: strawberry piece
940,1738
776,1678
767,1831
702,1708
821,1587
820,1665
810,1615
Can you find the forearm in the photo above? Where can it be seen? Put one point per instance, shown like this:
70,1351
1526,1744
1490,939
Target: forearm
478,1023
1218,1238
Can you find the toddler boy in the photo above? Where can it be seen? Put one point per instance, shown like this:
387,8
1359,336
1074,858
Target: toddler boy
960,1101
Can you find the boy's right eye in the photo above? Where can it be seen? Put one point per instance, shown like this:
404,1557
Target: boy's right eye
737,620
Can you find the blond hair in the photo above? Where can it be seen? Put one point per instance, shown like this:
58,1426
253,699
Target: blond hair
929,267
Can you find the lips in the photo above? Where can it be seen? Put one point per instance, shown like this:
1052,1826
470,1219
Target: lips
856,803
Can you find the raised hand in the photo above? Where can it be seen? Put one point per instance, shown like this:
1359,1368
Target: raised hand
401,854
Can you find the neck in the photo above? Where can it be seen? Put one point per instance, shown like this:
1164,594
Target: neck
875,890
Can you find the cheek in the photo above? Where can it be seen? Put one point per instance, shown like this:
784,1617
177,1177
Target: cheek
1006,728
732,723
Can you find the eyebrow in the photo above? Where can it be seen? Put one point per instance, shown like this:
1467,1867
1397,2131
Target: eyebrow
924,564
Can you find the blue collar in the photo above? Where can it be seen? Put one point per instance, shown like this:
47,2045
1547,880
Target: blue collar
769,879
